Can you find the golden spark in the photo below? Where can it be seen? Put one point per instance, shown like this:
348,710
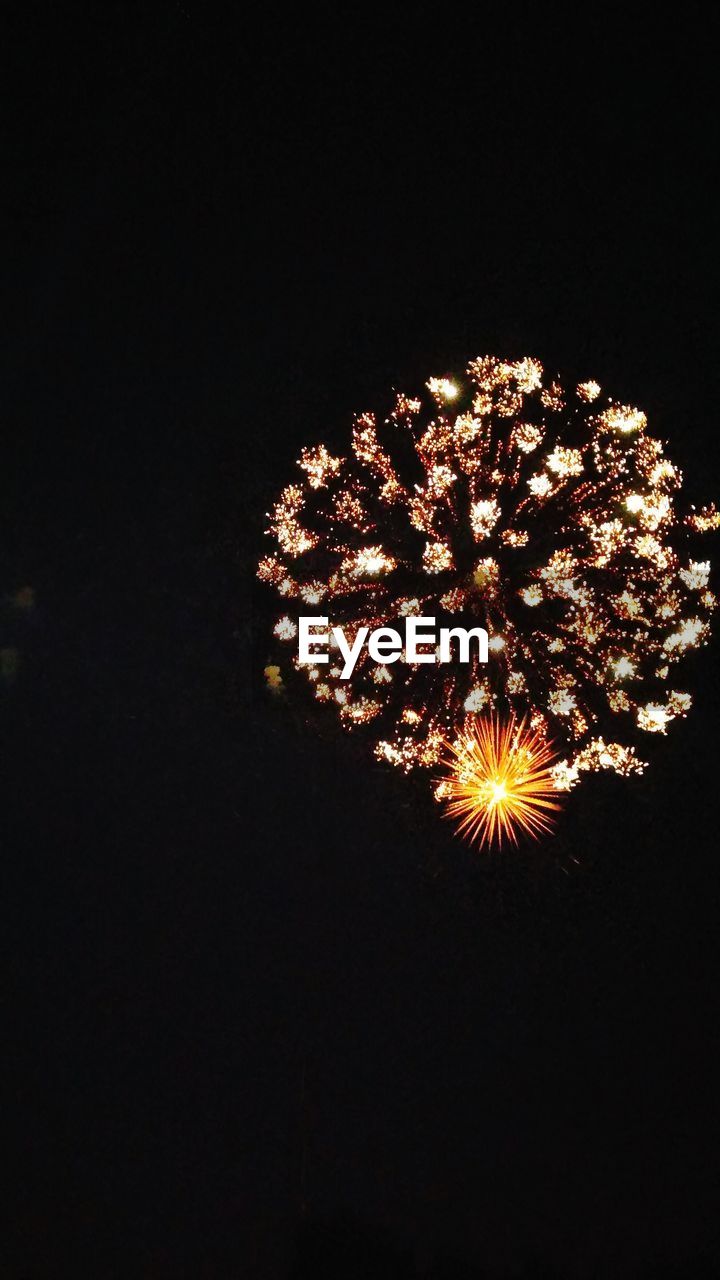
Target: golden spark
500,781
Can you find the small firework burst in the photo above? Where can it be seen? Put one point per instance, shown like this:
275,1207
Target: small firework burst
500,781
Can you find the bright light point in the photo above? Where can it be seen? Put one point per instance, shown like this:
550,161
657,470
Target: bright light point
475,700
532,595
623,417
368,563
539,486
623,668
444,387
496,643
285,629
589,390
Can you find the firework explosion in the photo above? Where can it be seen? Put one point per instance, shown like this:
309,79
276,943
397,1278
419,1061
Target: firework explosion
501,499
499,781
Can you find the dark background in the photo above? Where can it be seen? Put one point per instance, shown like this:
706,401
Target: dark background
265,1015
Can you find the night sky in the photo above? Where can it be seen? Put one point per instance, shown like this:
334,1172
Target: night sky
265,1016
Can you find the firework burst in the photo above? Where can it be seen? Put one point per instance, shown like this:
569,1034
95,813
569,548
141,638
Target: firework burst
500,781
546,514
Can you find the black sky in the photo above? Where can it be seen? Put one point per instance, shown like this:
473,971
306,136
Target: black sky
266,1017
